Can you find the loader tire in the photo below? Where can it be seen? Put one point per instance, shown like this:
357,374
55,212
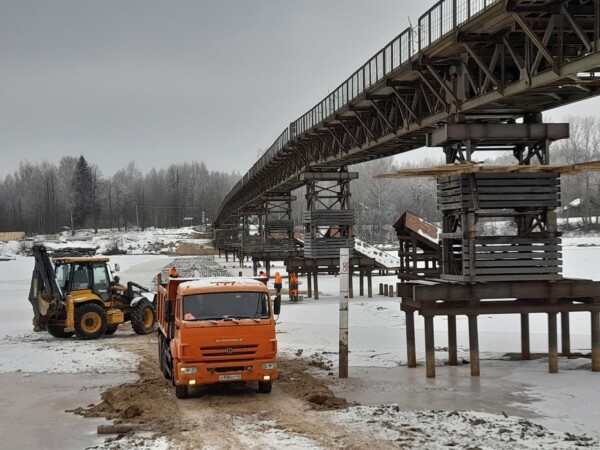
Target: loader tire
143,317
111,329
91,321
59,331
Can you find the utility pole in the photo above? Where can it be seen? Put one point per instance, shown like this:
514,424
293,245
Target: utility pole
137,217
344,283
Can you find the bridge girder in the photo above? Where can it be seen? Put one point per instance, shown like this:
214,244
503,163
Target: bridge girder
515,58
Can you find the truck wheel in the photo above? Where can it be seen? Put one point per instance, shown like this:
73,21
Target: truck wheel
166,366
143,317
111,329
91,321
59,331
161,361
181,391
264,387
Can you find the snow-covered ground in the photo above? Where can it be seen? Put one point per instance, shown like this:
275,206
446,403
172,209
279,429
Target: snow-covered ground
43,376
148,241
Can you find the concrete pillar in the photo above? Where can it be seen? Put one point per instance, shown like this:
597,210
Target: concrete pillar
309,283
316,284
429,347
474,345
452,347
380,288
391,290
268,267
385,290
525,347
255,267
369,284
411,351
552,344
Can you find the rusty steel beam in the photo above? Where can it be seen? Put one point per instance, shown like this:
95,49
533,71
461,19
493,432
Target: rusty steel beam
493,132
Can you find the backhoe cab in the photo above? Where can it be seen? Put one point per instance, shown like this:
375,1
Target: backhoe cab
80,296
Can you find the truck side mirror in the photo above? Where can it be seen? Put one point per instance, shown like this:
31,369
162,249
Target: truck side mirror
277,305
117,267
167,311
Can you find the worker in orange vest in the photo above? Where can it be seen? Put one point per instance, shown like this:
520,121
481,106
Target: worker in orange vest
262,274
173,272
294,287
278,284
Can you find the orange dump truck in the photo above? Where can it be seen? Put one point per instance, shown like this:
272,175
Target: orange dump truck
216,330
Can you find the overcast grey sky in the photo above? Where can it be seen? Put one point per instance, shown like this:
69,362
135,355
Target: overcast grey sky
162,81
171,81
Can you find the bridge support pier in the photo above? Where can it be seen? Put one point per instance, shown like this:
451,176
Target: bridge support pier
565,334
361,283
525,346
452,347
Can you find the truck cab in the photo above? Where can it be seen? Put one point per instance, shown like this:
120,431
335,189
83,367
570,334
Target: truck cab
216,330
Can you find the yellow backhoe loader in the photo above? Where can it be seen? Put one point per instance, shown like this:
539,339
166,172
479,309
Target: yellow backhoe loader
79,296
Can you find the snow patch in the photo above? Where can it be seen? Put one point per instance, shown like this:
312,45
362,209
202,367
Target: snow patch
42,353
433,430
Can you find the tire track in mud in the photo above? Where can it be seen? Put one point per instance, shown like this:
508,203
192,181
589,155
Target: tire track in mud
227,416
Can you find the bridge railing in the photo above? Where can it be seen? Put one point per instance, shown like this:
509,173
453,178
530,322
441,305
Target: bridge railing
438,22
443,17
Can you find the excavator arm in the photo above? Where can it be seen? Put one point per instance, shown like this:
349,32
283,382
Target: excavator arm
44,287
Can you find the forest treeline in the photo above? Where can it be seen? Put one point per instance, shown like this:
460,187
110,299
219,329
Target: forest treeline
45,198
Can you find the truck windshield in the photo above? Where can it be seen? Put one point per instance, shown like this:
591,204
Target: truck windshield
226,306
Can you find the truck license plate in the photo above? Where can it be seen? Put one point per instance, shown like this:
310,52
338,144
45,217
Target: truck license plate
229,377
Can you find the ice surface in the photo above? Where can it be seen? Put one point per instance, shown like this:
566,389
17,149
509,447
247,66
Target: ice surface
567,401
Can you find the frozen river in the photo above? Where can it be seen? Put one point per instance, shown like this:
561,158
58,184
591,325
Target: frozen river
42,377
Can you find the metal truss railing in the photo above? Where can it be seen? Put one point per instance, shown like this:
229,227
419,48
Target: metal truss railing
438,22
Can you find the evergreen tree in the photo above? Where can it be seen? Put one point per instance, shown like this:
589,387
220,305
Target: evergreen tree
82,192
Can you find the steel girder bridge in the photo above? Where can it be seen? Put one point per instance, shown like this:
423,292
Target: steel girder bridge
466,61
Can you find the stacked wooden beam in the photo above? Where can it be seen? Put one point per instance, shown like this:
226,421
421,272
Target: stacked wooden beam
329,232
499,191
526,198
326,247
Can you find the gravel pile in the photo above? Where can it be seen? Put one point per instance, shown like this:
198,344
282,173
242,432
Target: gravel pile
197,266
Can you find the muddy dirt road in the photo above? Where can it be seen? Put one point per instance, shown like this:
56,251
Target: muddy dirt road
228,417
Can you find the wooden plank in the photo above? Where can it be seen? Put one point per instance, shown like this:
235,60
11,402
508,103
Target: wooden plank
509,189
516,240
517,270
493,170
507,198
522,263
444,309
492,256
503,278
486,248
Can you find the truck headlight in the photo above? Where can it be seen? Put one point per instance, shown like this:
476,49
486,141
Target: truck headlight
188,370
269,366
